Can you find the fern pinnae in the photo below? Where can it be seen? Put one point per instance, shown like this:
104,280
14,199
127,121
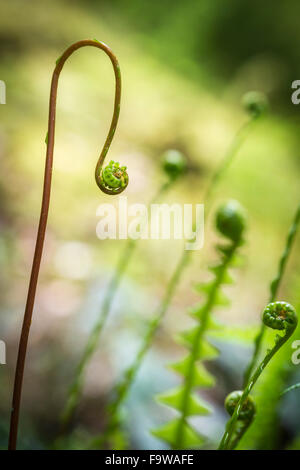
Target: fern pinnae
178,433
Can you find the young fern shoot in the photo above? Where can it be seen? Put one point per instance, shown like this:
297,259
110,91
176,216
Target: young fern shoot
174,166
111,181
279,316
274,286
230,222
245,418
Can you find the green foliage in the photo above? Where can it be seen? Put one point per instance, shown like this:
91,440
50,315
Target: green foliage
231,220
263,434
179,434
255,103
279,316
274,286
245,417
113,176
248,409
173,163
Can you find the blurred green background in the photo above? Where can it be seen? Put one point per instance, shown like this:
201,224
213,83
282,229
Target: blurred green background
185,66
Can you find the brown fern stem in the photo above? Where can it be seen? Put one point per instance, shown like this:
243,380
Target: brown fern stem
19,373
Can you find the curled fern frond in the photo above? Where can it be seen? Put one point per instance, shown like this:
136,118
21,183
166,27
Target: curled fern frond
246,415
248,409
173,163
279,316
113,178
231,220
255,102
178,433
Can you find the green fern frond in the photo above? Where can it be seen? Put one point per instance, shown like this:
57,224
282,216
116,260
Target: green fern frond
178,433
168,433
201,377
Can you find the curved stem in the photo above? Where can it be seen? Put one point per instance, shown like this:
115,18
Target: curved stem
274,286
225,442
289,389
238,435
44,214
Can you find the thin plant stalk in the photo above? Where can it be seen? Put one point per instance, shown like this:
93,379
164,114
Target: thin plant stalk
290,389
274,286
289,325
19,373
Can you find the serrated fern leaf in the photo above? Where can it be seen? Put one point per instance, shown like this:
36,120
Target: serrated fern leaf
201,377
168,433
173,398
178,433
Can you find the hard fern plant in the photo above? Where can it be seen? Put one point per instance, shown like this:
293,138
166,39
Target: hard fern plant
282,317
273,381
178,433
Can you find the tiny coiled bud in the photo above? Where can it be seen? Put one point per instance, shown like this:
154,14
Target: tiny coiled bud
231,220
173,163
248,409
113,178
280,316
255,103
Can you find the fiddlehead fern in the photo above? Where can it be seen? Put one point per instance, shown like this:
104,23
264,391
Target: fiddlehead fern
45,208
255,103
113,178
274,286
231,222
173,164
279,316
248,410
246,415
